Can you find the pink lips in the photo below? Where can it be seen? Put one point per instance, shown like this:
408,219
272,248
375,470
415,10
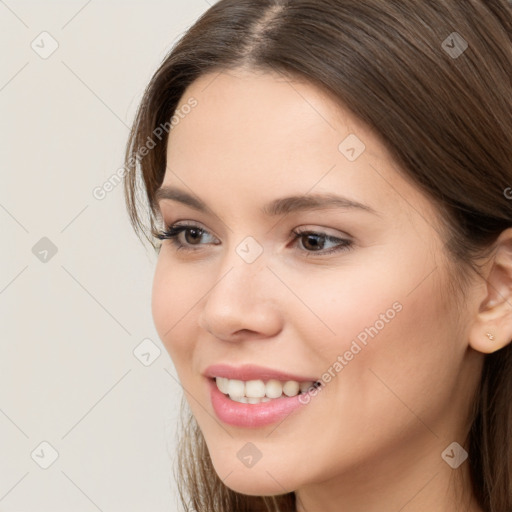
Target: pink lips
252,415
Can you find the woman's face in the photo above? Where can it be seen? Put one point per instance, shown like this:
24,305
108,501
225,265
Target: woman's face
361,303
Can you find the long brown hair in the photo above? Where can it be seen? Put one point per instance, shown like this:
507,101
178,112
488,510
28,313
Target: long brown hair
433,81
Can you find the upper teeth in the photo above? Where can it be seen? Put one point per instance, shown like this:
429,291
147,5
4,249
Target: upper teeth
257,389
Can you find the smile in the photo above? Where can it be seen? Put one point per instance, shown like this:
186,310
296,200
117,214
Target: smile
253,412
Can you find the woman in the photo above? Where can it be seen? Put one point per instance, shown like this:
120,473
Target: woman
330,183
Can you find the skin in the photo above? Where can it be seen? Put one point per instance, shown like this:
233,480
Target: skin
372,438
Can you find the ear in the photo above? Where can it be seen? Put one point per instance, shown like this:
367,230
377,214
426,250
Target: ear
492,326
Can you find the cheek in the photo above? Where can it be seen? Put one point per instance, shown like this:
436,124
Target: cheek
343,304
172,303
387,294
378,335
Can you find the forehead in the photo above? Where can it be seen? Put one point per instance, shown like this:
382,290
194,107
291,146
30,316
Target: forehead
273,111
262,135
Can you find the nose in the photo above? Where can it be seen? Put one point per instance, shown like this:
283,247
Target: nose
243,303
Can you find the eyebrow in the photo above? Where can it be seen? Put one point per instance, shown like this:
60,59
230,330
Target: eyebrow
275,207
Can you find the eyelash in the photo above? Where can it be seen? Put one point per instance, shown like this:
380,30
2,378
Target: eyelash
172,232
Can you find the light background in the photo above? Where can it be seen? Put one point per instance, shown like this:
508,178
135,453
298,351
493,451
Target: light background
69,325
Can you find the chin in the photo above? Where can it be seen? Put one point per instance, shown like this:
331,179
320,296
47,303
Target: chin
255,483
262,479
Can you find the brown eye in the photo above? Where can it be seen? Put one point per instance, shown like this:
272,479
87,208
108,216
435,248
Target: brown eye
312,242
196,234
193,240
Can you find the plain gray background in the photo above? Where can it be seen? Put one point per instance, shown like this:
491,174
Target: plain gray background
80,394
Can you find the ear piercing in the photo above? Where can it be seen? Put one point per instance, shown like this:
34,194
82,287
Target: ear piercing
490,336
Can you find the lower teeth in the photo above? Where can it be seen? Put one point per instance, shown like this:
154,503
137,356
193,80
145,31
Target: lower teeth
247,400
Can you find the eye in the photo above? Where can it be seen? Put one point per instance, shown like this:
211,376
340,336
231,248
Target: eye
192,235
313,241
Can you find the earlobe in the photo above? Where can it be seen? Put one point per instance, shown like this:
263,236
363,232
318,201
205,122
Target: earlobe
492,326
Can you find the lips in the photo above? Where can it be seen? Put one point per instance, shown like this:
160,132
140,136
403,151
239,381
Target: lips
253,372
246,412
247,415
